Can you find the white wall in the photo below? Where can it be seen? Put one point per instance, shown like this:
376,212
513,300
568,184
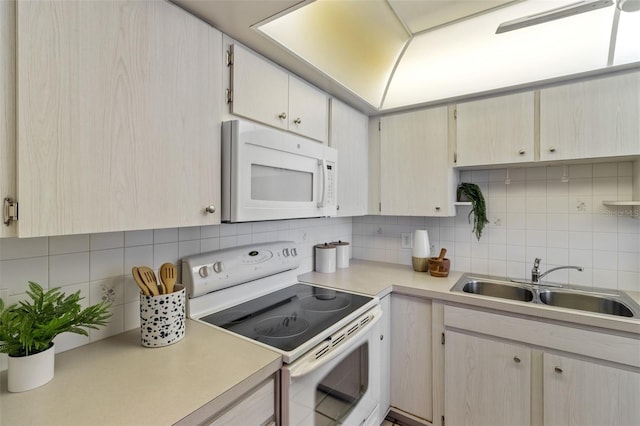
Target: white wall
536,215
99,265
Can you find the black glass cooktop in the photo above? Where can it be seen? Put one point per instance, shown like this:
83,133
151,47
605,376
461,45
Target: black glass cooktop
287,318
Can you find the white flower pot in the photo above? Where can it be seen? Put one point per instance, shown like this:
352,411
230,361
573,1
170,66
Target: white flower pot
29,372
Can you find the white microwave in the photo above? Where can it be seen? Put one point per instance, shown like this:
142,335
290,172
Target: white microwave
270,174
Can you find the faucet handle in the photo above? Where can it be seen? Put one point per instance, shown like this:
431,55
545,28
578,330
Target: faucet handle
536,263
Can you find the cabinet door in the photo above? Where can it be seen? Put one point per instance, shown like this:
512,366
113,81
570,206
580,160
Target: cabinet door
415,178
374,204
498,130
7,108
260,89
590,119
487,382
584,393
119,118
349,130
411,361
308,110
385,358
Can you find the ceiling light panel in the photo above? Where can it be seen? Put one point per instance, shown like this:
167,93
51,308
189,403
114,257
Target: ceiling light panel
357,43
468,57
422,15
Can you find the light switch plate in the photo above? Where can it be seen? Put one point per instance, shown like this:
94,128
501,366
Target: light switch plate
406,240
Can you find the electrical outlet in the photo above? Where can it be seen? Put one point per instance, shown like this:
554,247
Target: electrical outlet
406,240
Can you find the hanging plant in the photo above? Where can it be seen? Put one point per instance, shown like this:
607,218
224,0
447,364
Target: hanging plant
478,207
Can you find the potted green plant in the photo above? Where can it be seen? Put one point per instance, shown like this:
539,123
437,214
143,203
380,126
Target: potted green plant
27,330
471,192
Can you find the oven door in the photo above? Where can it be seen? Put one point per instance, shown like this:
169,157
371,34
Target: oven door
341,387
270,174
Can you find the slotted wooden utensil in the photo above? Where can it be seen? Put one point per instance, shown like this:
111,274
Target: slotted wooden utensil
149,279
136,276
168,275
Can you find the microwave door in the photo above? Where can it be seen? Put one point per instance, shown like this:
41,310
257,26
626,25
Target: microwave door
274,184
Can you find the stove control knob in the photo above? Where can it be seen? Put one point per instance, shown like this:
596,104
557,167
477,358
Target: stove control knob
294,252
285,252
204,272
218,267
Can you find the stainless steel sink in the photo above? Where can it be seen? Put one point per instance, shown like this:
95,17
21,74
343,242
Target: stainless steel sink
503,291
585,302
600,301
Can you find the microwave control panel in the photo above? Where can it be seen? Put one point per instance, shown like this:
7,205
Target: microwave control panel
331,183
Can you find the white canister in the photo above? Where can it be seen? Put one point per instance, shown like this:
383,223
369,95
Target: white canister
421,244
325,258
342,254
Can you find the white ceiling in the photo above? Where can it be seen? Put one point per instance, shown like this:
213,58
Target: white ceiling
395,54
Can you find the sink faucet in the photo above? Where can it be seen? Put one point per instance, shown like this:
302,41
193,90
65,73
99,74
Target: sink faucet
536,276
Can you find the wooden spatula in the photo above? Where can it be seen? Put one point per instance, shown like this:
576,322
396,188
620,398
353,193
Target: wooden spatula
136,276
149,279
168,273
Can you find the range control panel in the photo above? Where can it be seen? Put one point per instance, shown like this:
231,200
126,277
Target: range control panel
220,269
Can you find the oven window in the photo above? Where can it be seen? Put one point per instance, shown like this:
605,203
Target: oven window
340,390
277,184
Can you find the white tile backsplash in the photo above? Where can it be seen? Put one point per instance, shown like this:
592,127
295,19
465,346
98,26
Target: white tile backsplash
535,215
100,264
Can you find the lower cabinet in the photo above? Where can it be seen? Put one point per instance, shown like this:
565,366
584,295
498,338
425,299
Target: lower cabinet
385,358
411,357
508,370
256,408
579,392
487,382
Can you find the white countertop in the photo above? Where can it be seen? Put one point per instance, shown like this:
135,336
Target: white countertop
379,279
117,381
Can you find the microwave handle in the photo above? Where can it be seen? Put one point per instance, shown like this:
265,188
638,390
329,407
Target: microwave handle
325,177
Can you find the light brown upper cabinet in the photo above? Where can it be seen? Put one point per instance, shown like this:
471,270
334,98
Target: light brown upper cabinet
591,119
119,111
7,109
415,176
496,130
266,93
349,135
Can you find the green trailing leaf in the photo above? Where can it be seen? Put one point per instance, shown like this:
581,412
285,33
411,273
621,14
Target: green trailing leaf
30,326
478,207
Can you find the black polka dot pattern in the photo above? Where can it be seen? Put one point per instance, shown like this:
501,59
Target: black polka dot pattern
162,318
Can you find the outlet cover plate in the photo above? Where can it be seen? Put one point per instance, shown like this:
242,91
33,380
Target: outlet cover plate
406,240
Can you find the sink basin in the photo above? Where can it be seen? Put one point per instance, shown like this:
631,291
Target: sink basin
585,302
599,301
503,291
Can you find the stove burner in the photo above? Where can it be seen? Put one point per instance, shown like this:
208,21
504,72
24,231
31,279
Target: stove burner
281,327
316,304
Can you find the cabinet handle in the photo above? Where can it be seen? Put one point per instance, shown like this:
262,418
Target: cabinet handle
282,115
437,208
297,120
382,337
558,370
516,359
338,207
552,149
210,209
522,152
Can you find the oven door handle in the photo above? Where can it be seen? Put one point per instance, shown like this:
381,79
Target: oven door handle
309,363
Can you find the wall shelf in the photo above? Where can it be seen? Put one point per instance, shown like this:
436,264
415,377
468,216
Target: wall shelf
621,203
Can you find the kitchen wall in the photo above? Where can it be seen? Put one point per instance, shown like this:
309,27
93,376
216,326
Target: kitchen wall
535,215
99,265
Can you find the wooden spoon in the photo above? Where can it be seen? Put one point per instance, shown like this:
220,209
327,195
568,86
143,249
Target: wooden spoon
149,279
136,276
168,273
